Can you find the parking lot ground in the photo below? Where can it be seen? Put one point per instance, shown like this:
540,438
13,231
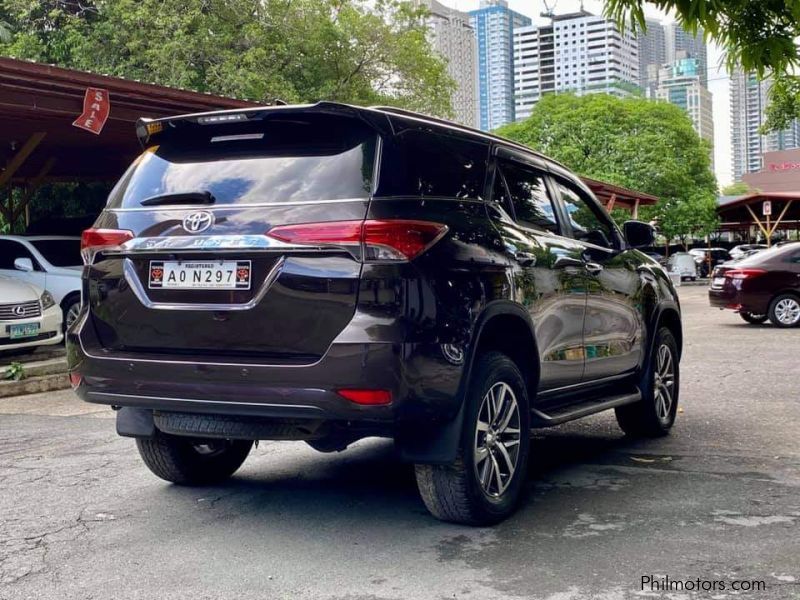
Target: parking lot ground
718,500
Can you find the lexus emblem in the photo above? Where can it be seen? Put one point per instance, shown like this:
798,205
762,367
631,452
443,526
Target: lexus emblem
19,311
198,222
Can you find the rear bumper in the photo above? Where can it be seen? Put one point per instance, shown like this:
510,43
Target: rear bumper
423,383
734,299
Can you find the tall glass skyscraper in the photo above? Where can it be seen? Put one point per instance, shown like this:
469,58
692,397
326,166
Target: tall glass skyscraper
494,24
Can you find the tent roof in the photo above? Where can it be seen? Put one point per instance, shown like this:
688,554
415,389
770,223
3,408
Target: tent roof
38,98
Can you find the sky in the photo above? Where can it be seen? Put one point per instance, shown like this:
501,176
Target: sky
718,79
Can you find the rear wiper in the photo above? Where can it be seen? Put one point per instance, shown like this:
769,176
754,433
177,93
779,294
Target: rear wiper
180,198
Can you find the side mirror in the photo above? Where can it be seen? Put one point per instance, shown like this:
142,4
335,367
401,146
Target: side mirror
23,264
639,234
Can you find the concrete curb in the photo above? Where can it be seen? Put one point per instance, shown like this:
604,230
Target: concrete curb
34,385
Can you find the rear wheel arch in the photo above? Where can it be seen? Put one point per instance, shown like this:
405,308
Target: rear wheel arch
439,445
507,328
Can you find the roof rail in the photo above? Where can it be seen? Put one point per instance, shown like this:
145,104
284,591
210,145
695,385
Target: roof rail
464,128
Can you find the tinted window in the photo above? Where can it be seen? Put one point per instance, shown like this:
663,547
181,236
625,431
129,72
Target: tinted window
10,251
529,197
588,223
297,158
420,163
60,253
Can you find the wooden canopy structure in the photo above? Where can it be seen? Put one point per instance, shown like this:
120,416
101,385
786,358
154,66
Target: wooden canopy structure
616,196
38,143
768,212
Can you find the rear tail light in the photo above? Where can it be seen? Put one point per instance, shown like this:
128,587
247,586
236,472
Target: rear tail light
380,240
94,240
75,380
744,273
367,397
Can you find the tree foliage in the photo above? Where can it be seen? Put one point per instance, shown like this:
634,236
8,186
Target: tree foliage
299,50
758,35
639,144
736,189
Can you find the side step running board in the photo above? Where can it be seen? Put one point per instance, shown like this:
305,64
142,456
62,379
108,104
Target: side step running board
541,419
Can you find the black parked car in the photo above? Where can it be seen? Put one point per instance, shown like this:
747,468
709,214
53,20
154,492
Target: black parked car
327,273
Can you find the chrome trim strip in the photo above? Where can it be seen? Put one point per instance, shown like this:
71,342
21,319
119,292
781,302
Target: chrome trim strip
214,402
188,207
138,289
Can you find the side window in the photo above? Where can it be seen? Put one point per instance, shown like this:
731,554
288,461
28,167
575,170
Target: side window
795,258
420,163
10,251
532,205
588,224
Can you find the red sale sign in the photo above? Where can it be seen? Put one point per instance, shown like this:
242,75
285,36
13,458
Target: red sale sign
96,107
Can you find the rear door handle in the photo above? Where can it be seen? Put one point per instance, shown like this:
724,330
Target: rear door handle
526,259
594,268
563,262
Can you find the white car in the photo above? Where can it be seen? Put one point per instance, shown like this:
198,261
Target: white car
50,262
29,316
683,264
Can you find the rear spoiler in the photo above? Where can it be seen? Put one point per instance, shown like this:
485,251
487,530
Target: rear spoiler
152,131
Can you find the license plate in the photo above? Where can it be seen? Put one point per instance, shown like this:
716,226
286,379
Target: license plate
23,330
718,282
204,275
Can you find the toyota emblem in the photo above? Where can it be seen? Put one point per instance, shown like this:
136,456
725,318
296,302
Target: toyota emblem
198,222
19,311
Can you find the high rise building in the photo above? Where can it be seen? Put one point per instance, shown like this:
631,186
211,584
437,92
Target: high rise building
681,43
454,39
749,98
681,84
652,51
578,52
662,44
494,24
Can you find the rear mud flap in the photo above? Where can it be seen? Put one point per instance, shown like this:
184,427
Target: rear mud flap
135,422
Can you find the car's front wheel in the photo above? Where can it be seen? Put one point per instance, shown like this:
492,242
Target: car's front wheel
784,311
190,461
485,482
654,414
752,318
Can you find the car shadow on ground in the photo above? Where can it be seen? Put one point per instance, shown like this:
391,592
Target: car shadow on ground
368,482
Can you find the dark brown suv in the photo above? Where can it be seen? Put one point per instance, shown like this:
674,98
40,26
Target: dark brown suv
328,273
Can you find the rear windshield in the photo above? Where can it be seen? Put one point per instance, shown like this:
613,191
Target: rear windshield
280,159
60,253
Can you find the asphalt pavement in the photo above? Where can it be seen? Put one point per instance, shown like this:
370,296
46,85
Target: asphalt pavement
715,504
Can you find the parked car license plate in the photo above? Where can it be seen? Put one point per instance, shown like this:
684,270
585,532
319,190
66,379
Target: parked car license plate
209,275
23,330
718,282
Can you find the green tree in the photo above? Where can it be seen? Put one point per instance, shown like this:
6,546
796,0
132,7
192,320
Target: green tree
738,188
758,35
690,218
298,51
635,143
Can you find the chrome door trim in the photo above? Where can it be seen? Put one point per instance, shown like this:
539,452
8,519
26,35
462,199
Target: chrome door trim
138,289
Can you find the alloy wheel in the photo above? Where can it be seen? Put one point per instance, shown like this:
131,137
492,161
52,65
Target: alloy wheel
73,312
497,439
787,311
664,382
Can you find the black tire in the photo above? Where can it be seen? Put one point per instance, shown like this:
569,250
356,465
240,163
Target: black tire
69,308
454,492
780,317
649,417
192,461
753,319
